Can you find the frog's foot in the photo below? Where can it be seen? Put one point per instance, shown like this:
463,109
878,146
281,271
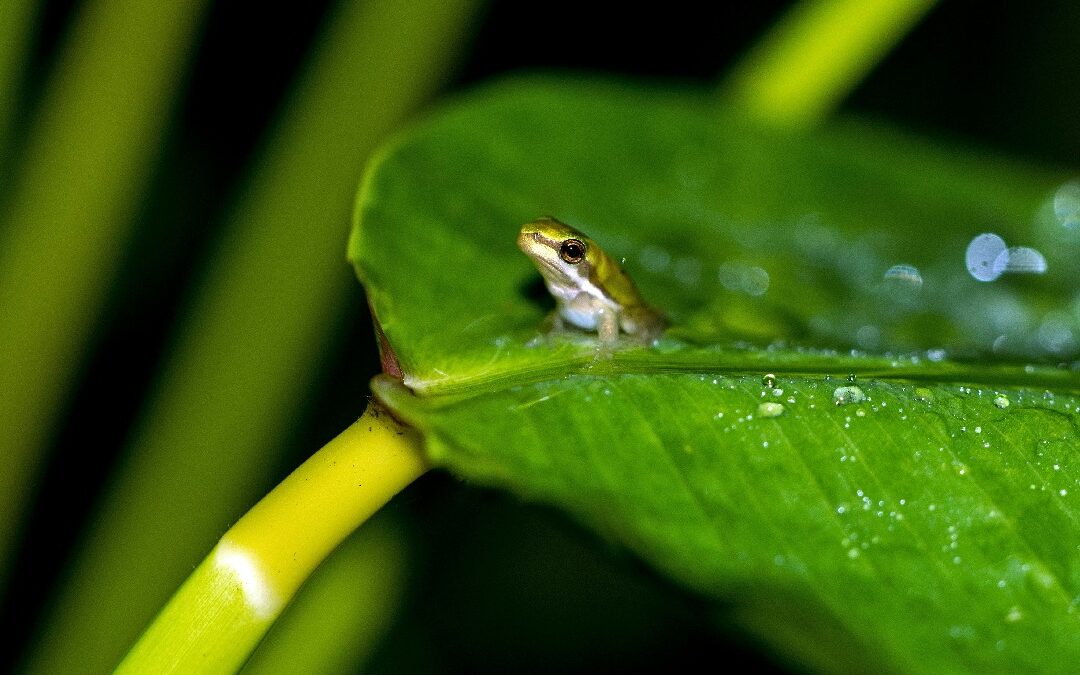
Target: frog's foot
604,351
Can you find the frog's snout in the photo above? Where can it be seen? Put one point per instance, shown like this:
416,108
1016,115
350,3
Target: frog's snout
527,239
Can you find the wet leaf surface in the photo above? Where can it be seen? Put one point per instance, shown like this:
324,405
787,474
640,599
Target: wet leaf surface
925,510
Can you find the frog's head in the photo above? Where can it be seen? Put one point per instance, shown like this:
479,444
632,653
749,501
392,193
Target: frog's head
563,255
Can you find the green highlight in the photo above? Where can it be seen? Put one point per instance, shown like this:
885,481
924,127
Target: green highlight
816,54
257,328
221,612
88,159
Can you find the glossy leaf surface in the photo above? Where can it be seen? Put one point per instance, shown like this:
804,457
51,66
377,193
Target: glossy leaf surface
921,517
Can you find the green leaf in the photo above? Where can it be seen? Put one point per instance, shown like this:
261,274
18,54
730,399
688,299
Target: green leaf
921,517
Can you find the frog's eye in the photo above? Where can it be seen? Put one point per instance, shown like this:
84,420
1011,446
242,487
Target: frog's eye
572,251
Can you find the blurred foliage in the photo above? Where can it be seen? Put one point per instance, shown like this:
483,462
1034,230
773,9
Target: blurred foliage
815,55
87,160
16,27
208,168
258,321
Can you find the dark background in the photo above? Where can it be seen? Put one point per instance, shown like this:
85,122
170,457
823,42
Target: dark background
993,74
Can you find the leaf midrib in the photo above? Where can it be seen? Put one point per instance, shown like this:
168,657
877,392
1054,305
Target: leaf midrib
900,370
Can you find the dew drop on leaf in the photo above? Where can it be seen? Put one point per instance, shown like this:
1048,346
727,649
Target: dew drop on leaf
770,409
845,395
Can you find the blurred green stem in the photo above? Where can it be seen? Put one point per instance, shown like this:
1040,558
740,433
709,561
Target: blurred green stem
89,155
817,53
257,326
17,18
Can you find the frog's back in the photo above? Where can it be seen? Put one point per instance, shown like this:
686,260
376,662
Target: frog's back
638,318
617,283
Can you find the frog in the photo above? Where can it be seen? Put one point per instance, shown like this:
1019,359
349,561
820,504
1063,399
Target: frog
592,292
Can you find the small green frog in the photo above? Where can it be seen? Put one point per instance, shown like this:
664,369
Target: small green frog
591,291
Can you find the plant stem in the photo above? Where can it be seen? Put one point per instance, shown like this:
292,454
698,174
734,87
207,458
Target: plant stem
817,53
18,18
342,613
222,611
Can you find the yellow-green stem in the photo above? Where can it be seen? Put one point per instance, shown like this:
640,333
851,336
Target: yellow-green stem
341,614
798,73
225,607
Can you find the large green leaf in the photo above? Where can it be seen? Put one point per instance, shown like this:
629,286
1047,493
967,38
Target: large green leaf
921,517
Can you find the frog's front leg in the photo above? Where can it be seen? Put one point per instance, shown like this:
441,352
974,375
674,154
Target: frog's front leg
607,327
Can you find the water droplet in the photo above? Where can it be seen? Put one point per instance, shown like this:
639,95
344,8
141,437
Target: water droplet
907,275
1014,615
756,281
1019,260
962,632
655,259
923,394
1055,333
770,409
845,395
1063,492
748,279
980,256
687,271
852,377
769,380
936,355
868,337
853,553
1067,205
1001,401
